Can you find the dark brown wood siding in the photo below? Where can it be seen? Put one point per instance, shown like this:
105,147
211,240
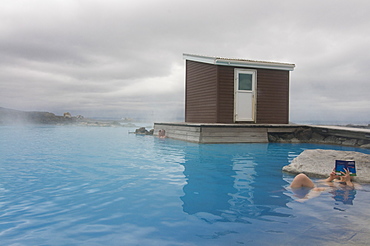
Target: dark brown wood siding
272,104
272,96
209,96
201,92
225,94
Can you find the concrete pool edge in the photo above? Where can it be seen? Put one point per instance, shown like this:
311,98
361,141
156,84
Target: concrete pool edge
265,133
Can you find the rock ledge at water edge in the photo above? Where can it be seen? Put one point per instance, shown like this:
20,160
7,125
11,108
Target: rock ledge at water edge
319,163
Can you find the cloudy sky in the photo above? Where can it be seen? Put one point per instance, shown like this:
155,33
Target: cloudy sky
117,58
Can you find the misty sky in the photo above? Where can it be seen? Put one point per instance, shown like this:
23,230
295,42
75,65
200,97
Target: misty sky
117,58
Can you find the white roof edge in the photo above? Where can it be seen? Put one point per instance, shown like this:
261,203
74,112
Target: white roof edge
239,62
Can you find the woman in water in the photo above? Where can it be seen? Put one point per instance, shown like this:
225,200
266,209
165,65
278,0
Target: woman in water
304,188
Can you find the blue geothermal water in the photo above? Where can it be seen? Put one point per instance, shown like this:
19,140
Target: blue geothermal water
70,185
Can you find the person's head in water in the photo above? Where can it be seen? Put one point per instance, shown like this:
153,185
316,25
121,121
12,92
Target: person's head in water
161,133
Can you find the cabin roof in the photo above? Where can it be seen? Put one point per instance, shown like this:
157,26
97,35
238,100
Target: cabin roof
239,62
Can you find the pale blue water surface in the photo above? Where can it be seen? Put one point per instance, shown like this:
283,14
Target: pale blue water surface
70,185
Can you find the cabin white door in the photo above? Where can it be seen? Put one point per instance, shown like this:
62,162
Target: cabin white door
245,98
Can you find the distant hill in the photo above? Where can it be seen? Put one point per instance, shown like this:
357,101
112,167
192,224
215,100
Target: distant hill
11,116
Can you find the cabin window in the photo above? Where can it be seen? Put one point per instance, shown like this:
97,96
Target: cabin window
245,82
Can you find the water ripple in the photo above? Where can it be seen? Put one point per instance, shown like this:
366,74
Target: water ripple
99,186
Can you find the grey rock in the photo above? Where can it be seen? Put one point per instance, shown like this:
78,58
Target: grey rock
295,140
320,163
350,142
332,140
143,131
272,138
366,146
318,138
303,134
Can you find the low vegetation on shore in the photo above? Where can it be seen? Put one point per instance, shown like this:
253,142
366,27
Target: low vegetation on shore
17,117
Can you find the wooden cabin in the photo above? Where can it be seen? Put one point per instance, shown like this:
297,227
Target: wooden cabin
223,90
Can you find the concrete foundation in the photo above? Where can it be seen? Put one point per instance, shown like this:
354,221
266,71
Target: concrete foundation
264,133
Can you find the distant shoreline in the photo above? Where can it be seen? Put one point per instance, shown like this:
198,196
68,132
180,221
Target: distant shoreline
18,117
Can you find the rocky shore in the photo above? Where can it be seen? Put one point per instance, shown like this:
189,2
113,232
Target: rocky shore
143,131
318,135
17,117
14,117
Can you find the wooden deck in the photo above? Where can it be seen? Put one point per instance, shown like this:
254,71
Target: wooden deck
221,133
255,133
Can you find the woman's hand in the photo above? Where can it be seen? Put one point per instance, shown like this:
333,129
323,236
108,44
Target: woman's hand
346,178
332,176
346,175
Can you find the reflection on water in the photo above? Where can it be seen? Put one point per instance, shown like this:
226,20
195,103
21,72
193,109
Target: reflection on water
236,184
103,186
344,195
